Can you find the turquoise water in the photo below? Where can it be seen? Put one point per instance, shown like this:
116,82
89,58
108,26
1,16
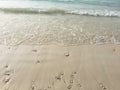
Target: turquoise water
79,7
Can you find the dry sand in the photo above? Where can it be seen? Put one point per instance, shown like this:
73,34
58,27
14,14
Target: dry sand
52,67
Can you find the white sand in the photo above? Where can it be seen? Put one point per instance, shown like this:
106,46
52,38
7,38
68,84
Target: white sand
37,52
52,67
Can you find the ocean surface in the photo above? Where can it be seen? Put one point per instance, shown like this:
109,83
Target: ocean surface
78,7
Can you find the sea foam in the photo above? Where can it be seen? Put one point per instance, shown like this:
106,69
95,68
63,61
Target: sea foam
90,12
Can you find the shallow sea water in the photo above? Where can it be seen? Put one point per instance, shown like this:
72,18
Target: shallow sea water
26,29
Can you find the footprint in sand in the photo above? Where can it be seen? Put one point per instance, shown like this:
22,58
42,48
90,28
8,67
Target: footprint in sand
69,86
9,47
34,50
6,66
8,72
102,86
73,74
59,76
49,87
33,86
114,50
38,61
67,54
6,79
71,81
79,85
53,83
7,75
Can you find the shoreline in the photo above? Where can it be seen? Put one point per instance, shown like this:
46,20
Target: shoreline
61,29
25,64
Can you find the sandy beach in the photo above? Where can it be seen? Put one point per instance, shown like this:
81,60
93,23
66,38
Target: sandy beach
59,52
52,67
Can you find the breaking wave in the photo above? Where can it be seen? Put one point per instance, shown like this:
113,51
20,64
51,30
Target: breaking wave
110,13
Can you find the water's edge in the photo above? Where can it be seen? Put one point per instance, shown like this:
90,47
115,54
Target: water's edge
61,11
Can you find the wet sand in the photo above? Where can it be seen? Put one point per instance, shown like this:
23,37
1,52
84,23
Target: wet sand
27,29
53,67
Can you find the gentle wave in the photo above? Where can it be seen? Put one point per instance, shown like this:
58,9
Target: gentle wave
32,11
113,13
97,13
